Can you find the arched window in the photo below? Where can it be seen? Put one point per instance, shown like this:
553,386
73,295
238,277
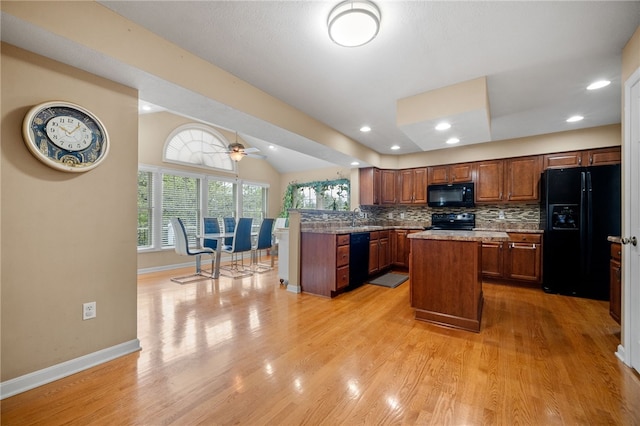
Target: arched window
198,145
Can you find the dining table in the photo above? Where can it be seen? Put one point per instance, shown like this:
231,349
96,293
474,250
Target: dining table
219,237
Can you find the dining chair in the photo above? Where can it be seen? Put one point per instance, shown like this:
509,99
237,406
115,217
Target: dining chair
229,226
210,225
241,244
265,241
182,248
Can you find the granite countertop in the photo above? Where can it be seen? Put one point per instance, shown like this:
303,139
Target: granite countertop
520,230
484,236
341,229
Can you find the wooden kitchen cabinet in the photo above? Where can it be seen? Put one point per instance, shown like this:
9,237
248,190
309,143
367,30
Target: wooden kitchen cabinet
520,259
525,257
511,180
493,259
388,184
400,247
412,186
324,263
615,282
451,173
522,178
379,252
591,157
603,156
489,183
370,186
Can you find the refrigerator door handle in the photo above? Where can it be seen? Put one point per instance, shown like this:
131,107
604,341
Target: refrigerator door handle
589,225
583,224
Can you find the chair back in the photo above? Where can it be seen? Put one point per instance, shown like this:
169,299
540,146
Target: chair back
265,237
242,235
229,226
211,226
181,244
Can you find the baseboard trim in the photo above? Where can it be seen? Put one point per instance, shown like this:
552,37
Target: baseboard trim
47,375
620,353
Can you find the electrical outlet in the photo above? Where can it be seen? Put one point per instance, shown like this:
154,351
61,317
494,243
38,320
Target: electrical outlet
390,216
325,216
88,310
401,215
501,214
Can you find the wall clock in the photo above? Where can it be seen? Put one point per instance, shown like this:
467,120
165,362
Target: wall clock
65,136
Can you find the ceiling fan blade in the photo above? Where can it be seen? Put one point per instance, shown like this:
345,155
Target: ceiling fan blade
250,150
260,156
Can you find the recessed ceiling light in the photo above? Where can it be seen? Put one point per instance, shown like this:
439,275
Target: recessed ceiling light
598,84
355,163
365,129
574,118
146,107
395,147
272,147
443,126
451,141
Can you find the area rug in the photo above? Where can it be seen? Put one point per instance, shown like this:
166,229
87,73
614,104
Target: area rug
391,280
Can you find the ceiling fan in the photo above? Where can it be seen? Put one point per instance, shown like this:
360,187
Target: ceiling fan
237,151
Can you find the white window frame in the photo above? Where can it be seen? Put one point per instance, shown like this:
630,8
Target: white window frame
201,127
156,219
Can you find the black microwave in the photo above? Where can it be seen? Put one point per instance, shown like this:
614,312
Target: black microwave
451,195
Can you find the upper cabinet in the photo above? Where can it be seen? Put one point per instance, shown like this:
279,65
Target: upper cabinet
412,186
522,178
370,181
451,173
377,186
511,180
489,182
591,157
389,182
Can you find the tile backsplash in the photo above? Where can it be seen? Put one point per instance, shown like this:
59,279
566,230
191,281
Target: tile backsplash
493,216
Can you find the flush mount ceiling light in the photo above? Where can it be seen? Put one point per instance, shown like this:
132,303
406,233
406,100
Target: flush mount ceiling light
354,23
365,129
452,141
395,147
598,84
443,126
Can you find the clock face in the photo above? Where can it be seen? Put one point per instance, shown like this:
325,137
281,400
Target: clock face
65,136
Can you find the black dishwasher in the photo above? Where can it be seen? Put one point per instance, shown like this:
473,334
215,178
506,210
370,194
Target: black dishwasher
358,258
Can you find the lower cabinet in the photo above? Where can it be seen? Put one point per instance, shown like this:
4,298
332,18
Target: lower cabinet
400,247
324,263
519,259
615,282
379,252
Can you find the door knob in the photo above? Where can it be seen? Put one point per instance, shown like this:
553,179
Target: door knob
633,240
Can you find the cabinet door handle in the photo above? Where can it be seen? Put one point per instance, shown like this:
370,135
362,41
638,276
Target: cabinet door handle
590,159
580,161
618,273
501,195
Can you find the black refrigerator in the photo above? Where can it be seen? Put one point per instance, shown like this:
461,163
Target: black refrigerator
580,209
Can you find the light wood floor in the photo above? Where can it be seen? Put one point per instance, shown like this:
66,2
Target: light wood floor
247,352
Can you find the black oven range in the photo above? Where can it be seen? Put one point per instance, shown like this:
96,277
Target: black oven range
453,221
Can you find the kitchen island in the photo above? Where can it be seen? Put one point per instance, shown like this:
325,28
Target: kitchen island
445,273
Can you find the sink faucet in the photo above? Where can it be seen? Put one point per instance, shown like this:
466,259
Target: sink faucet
353,216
